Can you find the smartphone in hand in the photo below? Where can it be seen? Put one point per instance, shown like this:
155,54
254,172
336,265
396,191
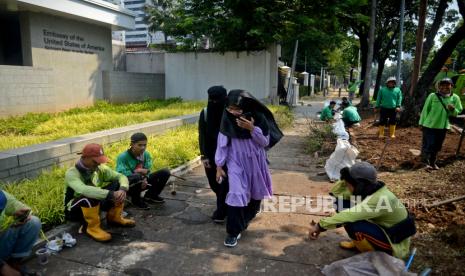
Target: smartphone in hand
247,115
23,217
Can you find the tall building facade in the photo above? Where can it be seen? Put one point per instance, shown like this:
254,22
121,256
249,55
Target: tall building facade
140,36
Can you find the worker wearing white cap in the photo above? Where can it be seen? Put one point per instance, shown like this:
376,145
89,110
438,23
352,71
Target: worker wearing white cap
389,102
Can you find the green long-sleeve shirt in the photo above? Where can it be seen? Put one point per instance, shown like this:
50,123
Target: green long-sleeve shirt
353,86
382,208
389,98
350,113
7,214
95,186
434,115
126,163
326,114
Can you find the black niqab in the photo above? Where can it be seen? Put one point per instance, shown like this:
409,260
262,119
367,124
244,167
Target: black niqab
216,102
263,118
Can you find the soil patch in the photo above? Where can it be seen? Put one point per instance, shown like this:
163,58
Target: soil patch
401,152
440,240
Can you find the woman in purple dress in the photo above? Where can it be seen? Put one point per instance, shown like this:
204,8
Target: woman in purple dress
247,129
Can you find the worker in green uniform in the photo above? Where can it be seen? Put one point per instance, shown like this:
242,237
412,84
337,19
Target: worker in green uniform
353,87
19,231
136,164
378,221
328,112
434,120
388,102
90,187
350,115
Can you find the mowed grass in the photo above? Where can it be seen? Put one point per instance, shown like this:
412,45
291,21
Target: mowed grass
35,128
283,115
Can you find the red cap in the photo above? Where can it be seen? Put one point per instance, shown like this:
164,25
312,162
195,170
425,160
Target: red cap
96,152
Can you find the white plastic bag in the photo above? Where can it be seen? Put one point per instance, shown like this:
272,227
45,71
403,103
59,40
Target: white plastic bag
367,264
343,156
339,128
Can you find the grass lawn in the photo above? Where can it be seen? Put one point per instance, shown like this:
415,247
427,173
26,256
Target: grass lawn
35,128
44,194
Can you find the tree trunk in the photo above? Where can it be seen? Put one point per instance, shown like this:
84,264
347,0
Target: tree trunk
371,41
433,31
438,61
379,75
363,57
419,45
414,104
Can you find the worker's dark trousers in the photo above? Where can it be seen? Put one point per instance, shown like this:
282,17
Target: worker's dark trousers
373,233
363,229
240,217
157,181
433,138
221,190
387,115
348,123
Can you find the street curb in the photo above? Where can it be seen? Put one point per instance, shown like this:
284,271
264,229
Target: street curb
68,227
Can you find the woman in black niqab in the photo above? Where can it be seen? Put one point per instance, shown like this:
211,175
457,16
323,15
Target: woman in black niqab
248,107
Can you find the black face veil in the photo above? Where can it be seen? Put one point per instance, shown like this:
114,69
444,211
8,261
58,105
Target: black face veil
250,106
217,96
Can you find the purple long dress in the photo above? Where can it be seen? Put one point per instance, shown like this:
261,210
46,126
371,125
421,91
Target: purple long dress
248,172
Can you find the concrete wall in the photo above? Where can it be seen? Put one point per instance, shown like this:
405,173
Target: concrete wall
145,63
76,51
24,89
119,55
124,87
28,162
189,75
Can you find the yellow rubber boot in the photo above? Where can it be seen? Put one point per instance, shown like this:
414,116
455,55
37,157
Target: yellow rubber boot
381,132
92,217
114,216
392,131
364,246
347,244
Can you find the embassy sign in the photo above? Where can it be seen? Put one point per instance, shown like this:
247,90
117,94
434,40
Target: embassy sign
69,43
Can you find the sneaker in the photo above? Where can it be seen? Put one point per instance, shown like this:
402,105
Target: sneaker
140,204
435,167
231,241
155,199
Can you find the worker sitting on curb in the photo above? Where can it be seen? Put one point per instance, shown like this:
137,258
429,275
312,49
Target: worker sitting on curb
389,101
378,220
90,187
18,233
328,112
349,114
136,163
434,120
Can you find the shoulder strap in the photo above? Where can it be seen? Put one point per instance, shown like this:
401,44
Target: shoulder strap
445,108
443,105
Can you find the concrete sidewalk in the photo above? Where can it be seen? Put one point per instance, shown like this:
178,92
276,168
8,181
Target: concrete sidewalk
178,237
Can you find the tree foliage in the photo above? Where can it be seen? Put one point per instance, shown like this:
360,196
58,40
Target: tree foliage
236,25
